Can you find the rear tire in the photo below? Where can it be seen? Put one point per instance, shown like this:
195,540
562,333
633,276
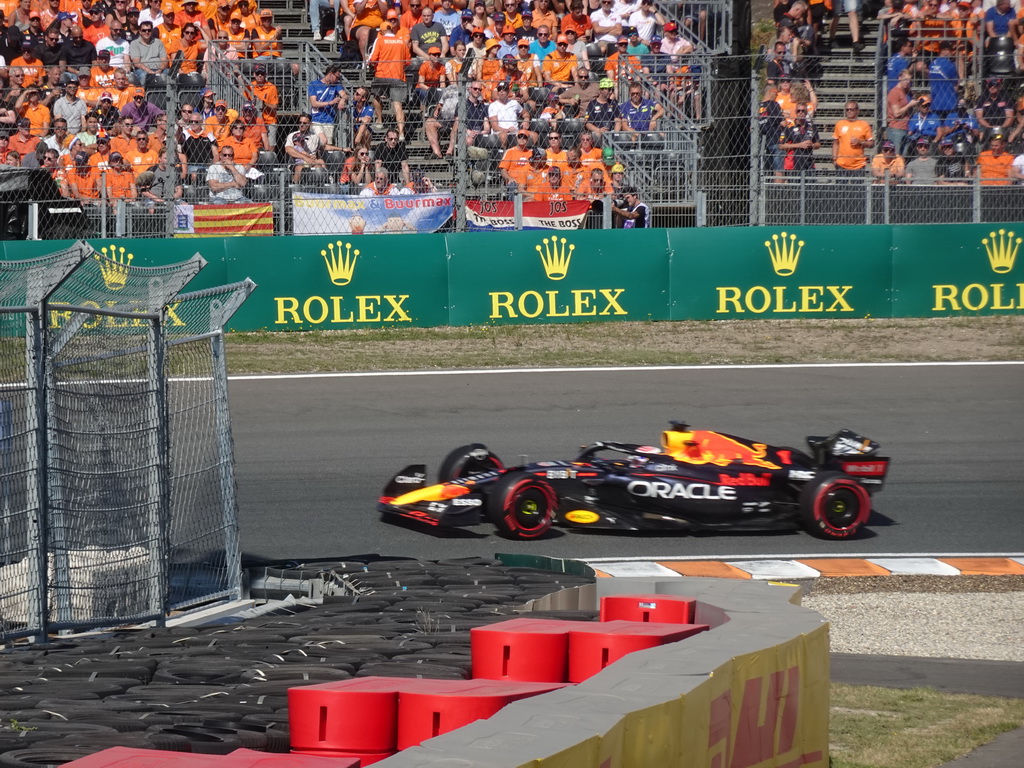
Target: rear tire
834,506
522,506
467,460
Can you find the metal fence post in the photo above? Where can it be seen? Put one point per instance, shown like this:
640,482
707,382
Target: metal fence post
517,209
976,199
159,474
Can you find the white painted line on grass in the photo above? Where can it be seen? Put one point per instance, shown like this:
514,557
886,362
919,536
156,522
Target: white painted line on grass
609,369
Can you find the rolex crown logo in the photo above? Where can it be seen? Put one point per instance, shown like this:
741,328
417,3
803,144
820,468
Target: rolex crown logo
341,261
114,263
555,257
785,252
1002,250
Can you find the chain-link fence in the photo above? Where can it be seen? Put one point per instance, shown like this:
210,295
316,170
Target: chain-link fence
101,526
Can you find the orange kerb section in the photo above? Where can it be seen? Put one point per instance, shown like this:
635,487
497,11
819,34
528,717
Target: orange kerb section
844,566
707,568
984,566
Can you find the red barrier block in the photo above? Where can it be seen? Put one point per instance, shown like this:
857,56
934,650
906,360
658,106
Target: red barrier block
665,609
423,715
130,757
359,715
530,650
594,647
249,758
341,758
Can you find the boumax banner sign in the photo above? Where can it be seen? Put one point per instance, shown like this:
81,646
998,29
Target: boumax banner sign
364,281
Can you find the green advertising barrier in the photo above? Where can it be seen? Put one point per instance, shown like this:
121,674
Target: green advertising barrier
332,283
780,272
598,276
957,269
544,277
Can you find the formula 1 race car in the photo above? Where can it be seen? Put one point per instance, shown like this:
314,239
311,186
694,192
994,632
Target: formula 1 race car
695,480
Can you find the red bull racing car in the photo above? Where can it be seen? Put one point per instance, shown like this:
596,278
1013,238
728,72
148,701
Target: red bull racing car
694,480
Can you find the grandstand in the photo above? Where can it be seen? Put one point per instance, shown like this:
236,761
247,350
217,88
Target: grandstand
700,162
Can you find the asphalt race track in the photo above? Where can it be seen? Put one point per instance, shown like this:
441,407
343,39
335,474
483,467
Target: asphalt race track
314,453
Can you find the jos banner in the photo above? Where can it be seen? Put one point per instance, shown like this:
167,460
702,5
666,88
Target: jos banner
500,214
386,214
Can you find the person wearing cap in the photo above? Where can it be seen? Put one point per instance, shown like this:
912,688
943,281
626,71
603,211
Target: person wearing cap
190,13
94,24
923,123
22,141
528,65
534,176
327,97
602,113
462,33
994,110
119,178
850,138
29,106
220,19
515,162
100,158
621,65
607,25
101,74
674,44
256,130
506,115
388,61
237,36
922,169
266,38
170,35
80,183
30,64
508,43
993,165
544,45
219,126
65,21
952,168
109,114
559,69
961,125
368,15
246,152
144,113
888,167
147,54
431,79
264,96
635,46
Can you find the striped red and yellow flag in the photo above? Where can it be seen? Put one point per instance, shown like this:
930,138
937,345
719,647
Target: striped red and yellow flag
228,220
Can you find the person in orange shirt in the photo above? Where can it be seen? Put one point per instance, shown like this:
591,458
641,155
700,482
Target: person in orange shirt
23,141
413,16
535,177
101,157
102,74
588,152
220,124
389,60
140,155
122,91
577,19
31,65
87,92
80,181
192,49
555,188
574,171
849,140
249,18
432,79
620,64
238,36
120,179
38,115
559,67
544,16
220,19
170,35
266,38
516,161
994,163
94,25
123,135
190,14
245,151
264,94
368,15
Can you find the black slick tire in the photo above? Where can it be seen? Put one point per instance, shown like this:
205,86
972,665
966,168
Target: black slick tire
834,506
522,506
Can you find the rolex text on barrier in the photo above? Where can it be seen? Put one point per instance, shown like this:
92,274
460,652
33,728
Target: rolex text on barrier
316,214
490,215
342,281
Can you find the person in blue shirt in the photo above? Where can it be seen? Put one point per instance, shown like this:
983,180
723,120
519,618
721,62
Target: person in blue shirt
998,20
543,45
961,125
326,97
463,32
639,114
924,123
448,17
944,78
902,60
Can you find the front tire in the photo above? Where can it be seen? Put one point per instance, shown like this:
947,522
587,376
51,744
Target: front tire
834,506
522,506
467,460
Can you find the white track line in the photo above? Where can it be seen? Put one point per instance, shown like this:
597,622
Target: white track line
612,369
802,556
